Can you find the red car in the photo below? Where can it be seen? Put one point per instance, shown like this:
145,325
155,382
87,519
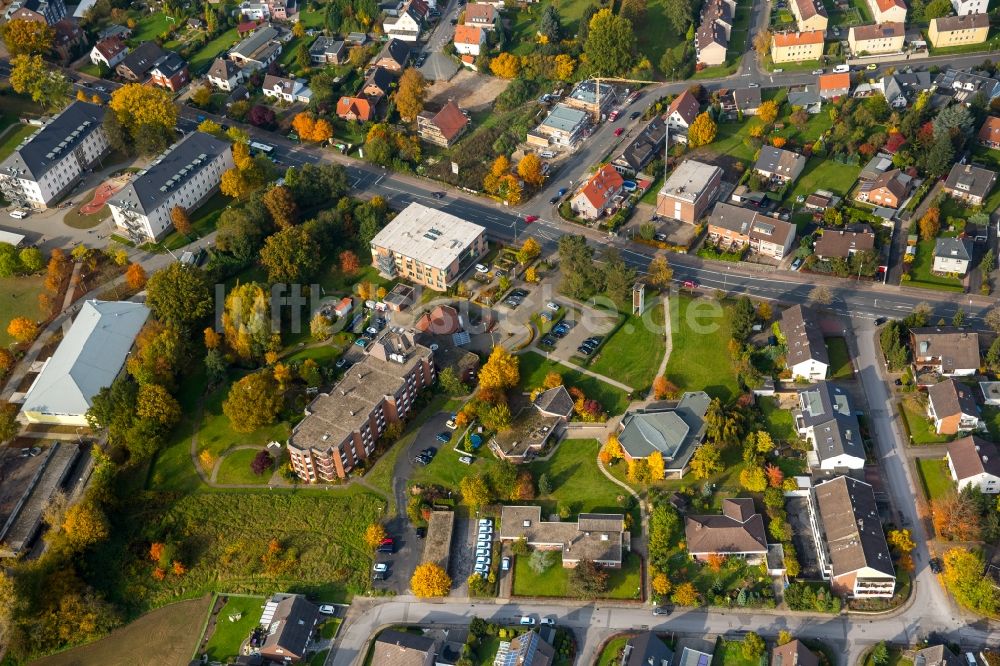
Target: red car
690,284
619,131
528,219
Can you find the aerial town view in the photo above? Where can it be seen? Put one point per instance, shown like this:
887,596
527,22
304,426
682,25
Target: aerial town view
499,333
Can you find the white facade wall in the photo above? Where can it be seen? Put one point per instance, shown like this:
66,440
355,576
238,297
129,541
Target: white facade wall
65,172
157,223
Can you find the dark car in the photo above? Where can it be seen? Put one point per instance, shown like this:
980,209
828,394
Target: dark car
555,199
444,437
935,565
439,195
586,351
421,532
635,114
880,321
549,341
454,21
430,451
663,610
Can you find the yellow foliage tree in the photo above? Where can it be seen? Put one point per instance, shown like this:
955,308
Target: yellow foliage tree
304,124
430,580
563,67
702,131
506,66
155,403
82,96
25,37
706,461
282,375
207,460
22,329
500,371
661,584
410,94
209,126
768,111
499,168
902,541
613,448
374,535
531,275
212,338
552,380
686,594
657,467
85,524
137,104
322,130
530,250
530,170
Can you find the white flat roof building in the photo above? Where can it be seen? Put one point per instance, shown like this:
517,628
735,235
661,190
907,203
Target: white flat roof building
427,246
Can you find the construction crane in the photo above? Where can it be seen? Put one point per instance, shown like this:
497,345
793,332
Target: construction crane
597,90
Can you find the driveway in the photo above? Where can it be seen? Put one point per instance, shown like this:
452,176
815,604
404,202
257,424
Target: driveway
802,537
409,549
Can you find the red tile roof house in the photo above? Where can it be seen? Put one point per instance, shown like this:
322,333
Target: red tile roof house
482,14
109,52
354,108
739,532
444,127
975,462
989,133
952,407
832,86
597,196
889,190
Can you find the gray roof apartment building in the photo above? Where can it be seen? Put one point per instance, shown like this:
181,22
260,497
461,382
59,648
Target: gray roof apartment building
186,175
806,355
689,191
46,165
646,147
825,418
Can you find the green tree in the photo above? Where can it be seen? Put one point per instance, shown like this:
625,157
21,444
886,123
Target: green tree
941,155
549,25
29,75
291,255
451,383
544,484
9,426
610,45
179,293
880,654
618,276
253,402
588,580
753,646
541,561
680,14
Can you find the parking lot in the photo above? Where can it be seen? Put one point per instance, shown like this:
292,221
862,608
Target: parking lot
464,553
592,323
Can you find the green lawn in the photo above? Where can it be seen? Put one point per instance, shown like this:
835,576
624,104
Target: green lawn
204,57
991,416
324,355
92,69
654,35
216,433
203,222
524,23
611,654
319,659
840,359
921,429
311,18
935,477
12,139
235,469
329,628
730,653
150,27
780,422
633,354
19,298
823,174
577,483
921,275
699,360
554,582
534,367
224,644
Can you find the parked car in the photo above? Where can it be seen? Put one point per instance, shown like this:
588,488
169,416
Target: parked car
552,305
430,451
465,460
361,342
880,321
561,192
421,532
586,351
439,195
871,67
662,610
753,85
380,566
548,340
480,268
327,609
527,621
634,115
796,263
548,621
444,437
387,546
505,564
619,131
555,199
662,238
817,72
486,522
690,284
380,575
935,565
450,424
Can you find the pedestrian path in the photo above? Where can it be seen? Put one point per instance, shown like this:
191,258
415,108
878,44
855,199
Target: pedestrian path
668,342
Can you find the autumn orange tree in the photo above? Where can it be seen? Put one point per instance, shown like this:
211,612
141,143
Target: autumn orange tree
135,276
22,329
686,594
430,580
768,111
410,94
349,263
664,389
956,517
530,170
930,223
715,561
281,205
775,477
253,402
181,220
661,584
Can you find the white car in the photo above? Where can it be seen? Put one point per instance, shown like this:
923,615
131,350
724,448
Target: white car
380,567
484,559
552,305
527,621
817,72
482,552
549,621
18,214
451,425
465,460
326,609
480,268
488,522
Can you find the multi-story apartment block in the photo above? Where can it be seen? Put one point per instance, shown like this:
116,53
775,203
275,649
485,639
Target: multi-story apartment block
341,427
736,227
185,175
958,30
258,50
853,553
427,246
689,191
877,38
50,162
797,46
711,40
43,11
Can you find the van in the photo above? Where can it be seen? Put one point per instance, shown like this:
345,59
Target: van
547,154
18,214
841,69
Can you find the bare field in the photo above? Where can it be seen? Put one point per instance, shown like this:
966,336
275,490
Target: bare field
470,90
165,637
